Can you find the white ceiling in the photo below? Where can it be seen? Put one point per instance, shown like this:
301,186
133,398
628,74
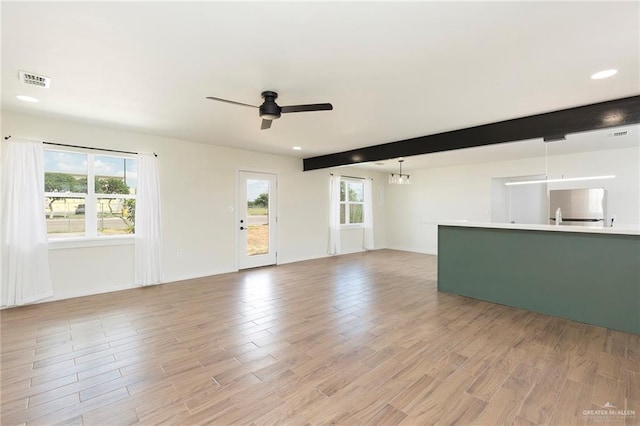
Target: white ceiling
392,70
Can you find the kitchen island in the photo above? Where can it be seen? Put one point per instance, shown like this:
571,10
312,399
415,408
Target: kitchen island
590,275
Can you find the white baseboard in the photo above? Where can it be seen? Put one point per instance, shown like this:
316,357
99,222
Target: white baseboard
412,249
177,278
300,259
73,295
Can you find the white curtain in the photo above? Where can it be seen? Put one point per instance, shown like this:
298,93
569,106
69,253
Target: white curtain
25,270
148,223
334,215
367,243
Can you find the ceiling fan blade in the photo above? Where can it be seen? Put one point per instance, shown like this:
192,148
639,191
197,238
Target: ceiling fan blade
266,124
230,102
305,108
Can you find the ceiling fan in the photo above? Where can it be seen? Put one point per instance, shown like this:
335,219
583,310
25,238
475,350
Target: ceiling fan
270,110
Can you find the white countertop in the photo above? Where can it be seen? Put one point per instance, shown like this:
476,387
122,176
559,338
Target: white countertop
625,230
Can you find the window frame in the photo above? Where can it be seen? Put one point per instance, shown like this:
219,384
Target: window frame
91,237
347,203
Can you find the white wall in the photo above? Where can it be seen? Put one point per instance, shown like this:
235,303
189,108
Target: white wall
529,203
464,192
500,201
198,184
519,203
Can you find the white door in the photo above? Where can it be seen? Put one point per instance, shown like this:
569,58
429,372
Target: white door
257,236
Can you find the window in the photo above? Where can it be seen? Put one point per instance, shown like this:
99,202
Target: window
89,195
351,201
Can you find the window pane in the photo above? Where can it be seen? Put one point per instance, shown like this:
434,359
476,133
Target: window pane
115,175
342,190
65,172
64,183
111,185
66,178
131,174
64,216
73,163
115,216
356,191
342,213
355,213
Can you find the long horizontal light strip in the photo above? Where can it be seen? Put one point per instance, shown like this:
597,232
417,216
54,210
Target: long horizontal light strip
529,182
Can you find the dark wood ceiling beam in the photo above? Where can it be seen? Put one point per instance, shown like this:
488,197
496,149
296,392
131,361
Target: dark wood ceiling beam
614,113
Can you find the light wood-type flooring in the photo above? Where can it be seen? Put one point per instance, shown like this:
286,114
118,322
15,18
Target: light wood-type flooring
355,339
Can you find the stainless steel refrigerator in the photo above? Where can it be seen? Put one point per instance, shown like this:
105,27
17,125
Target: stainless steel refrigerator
577,207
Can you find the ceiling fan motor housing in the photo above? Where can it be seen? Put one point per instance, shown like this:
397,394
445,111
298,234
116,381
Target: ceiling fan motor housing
270,110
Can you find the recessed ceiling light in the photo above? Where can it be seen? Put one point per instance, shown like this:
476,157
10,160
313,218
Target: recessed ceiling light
297,148
603,74
27,98
613,117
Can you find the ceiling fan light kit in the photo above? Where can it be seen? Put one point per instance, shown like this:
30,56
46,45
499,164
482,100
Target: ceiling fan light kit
270,110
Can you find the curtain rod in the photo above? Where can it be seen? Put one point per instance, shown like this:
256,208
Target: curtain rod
86,147
351,177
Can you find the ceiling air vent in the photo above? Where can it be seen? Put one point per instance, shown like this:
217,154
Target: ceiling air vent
620,133
31,79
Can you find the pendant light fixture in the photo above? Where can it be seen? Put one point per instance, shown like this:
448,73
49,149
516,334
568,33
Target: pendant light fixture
399,178
574,179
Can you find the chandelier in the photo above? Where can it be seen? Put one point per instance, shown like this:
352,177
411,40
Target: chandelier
399,178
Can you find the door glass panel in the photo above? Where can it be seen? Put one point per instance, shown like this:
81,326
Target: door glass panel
257,217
